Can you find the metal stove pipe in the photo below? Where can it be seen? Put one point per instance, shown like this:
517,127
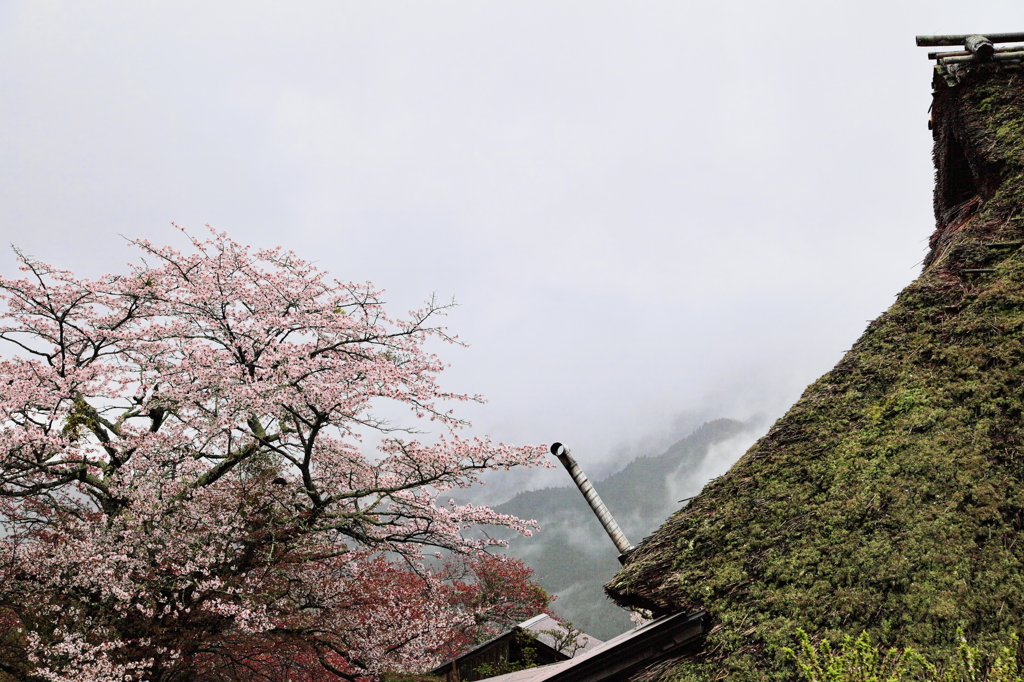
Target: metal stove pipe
593,499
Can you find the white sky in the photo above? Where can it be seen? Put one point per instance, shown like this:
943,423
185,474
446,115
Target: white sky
646,209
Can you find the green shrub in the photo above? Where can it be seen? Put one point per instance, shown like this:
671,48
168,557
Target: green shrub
529,659
859,660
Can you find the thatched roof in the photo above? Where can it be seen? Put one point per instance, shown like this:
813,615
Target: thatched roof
891,496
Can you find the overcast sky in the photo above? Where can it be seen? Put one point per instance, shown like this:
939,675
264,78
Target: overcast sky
650,212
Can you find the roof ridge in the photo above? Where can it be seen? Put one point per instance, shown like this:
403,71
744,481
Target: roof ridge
536,619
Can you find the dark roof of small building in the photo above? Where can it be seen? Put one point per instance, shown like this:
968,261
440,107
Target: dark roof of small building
539,627
619,658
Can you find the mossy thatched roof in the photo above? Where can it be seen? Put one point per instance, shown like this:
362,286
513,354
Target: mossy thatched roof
890,498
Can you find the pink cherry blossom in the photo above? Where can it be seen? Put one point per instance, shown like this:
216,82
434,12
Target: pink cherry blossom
182,476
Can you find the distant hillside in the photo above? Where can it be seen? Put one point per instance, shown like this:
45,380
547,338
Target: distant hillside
573,556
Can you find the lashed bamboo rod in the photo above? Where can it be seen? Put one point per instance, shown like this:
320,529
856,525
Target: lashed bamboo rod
970,59
949,41
965,53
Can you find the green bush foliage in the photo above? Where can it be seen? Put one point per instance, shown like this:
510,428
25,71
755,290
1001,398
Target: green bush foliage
528,660
860,660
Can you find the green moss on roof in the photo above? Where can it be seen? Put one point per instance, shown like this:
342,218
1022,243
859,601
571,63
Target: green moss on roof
890,498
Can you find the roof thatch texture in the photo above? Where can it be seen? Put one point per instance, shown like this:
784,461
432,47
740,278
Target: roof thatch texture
890,498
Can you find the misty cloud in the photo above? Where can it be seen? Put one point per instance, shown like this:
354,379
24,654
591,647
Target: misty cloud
644,209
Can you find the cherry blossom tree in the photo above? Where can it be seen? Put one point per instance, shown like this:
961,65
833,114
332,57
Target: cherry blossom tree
183,486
